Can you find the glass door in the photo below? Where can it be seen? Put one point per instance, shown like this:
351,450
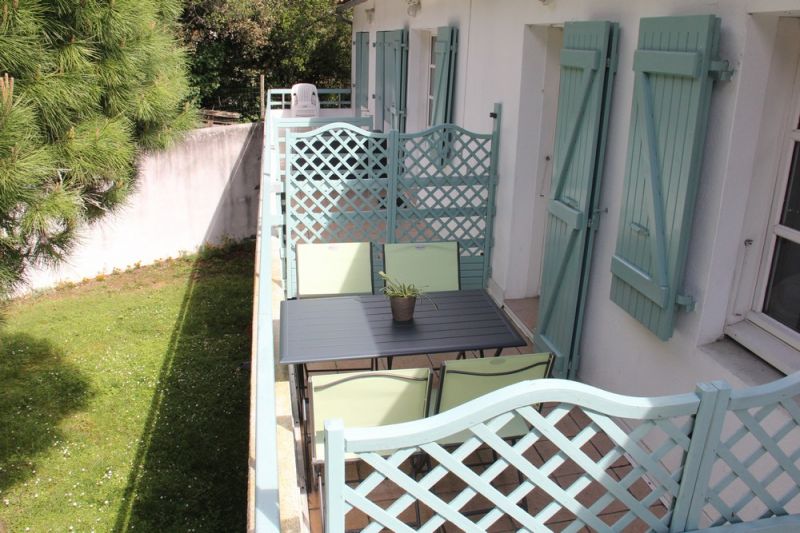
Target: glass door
777,305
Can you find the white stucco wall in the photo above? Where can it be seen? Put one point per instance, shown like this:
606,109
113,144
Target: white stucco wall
203,190
503,50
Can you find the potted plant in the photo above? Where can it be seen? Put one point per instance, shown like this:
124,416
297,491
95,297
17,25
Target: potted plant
402,297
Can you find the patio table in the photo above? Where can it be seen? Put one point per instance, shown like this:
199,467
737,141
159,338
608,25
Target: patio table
353,327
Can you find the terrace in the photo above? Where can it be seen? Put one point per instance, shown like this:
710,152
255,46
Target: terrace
592,460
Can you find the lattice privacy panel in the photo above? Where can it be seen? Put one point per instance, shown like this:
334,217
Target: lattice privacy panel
275,167
756,471
344,184
587,459
558,476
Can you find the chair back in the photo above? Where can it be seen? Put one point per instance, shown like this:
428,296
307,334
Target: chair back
366,399
326,269
431,266
467,379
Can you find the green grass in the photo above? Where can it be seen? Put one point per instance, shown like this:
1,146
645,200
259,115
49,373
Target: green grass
124,403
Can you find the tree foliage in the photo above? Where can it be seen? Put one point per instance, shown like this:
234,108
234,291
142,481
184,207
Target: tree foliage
88,84
289,41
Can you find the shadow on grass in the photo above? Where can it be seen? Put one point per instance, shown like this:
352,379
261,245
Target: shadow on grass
38,389
190,472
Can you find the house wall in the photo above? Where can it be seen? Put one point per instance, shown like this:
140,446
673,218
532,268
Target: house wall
202,191
503,56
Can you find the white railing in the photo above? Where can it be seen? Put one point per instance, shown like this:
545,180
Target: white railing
264,503
264,513
328,98
705,459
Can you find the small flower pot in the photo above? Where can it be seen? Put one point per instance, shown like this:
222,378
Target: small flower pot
403,308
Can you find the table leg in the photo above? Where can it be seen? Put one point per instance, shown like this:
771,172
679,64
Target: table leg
498,352
300,376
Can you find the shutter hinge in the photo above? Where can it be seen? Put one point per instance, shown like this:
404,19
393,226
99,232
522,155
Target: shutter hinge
721,70
685,301
594,221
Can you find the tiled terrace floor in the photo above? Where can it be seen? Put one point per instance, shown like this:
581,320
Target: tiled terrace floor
540,453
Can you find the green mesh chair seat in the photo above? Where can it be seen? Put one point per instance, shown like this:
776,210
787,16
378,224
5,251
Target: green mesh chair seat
431,266
327,269
467,379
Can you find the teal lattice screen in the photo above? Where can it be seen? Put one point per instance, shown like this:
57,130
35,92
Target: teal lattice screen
704,459
344,184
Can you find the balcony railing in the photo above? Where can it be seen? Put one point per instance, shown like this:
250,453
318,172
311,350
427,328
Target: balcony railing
328,98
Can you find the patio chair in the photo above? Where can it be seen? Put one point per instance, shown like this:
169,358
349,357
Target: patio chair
334,269
364,399
431,266
305,100
468,379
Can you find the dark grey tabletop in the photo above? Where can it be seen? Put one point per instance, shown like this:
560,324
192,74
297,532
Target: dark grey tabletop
352,327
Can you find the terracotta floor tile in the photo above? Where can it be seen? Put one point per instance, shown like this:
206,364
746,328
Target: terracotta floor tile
640,489
589,495
636,526
604,445
561,526
568,427
579,417
621,471
591,451
353,365
526,309
321,368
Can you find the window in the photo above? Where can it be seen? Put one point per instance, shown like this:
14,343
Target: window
777,304
764,312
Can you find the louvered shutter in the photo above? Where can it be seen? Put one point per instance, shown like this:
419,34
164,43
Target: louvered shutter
362,68
380,68
396,78
674,65
444,55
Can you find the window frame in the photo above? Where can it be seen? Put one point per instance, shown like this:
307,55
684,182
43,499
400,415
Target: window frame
767,338
790,137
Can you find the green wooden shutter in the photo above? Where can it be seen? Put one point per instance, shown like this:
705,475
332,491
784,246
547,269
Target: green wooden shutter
396,78
444,74
588,64
674,65
380,68
362,68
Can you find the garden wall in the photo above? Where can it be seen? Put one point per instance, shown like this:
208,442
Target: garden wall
202,191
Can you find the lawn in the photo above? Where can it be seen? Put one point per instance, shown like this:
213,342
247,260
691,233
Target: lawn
124,400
